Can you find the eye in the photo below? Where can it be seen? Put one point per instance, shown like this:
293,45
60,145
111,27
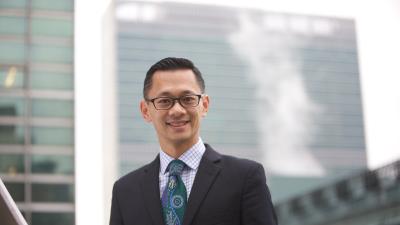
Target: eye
188,99
163,101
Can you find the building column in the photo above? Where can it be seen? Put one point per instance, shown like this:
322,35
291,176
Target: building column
95,111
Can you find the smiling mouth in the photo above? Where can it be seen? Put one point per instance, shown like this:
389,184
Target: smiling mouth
177,123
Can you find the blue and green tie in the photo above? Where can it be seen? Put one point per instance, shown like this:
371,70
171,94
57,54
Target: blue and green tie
174,197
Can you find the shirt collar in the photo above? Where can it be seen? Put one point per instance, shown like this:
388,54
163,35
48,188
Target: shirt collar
191,157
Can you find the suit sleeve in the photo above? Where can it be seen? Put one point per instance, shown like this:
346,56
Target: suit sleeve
115,216
256,207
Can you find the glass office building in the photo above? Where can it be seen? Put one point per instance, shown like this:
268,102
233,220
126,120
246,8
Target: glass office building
37,108
284,88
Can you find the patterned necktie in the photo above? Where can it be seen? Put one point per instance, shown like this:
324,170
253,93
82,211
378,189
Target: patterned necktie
174,197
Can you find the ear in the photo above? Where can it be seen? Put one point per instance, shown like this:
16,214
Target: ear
205,103
144,109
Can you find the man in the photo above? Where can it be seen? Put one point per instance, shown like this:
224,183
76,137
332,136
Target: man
188,183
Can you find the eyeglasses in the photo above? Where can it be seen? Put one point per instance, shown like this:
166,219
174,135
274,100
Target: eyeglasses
165,103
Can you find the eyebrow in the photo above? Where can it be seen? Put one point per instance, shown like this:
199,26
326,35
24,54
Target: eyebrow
167,93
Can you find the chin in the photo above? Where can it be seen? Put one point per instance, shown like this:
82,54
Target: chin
182,139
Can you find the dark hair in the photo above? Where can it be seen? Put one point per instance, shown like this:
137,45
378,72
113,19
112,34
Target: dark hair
171,63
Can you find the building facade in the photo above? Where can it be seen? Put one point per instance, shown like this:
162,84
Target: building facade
37,108
284,88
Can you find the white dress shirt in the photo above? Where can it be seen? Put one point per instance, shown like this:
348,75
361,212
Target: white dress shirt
191,158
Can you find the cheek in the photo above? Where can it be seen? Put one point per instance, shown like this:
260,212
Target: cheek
197,119
157,120
159,126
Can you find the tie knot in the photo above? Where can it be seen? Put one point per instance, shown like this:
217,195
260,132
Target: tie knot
176,167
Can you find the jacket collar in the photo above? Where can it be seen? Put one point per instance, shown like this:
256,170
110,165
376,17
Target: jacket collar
208,170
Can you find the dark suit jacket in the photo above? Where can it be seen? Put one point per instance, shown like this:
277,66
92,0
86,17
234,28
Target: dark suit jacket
226,191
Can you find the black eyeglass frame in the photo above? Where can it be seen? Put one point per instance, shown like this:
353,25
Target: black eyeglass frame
178,99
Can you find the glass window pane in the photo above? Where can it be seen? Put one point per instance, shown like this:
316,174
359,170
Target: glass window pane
53,27
12,106
53,218
11,134
52,136
54,164
11,164
51,54
12,3
17,191
45,80
12,25
52,108
12,52
11,77
63,5
52,193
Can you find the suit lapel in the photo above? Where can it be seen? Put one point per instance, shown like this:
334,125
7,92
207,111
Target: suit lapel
205,177
151,191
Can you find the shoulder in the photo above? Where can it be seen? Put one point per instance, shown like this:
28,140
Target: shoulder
135,177
131,176
234,164
240,163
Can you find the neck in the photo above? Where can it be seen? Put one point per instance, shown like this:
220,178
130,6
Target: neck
175,150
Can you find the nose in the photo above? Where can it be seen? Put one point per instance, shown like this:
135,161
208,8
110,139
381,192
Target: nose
177,108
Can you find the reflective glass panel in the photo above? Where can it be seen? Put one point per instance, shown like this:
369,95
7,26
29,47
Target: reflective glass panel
12,52
46,80
11,164
52,108
12,3
16,190
52,27
11,106
12,25
53,219
11,134
52,192
52,136
11,77
62,5
54,164
57,54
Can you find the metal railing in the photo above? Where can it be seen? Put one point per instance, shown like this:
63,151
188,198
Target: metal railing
371,194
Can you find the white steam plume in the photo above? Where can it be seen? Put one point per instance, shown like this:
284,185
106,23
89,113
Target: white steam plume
285,111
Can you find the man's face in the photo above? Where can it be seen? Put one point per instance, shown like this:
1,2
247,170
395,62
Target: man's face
177,125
